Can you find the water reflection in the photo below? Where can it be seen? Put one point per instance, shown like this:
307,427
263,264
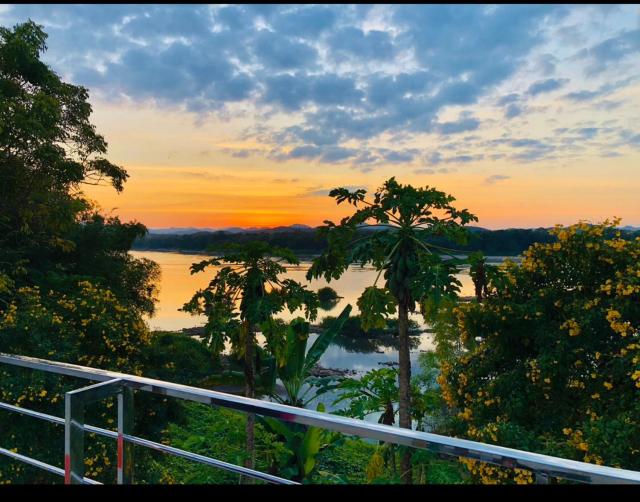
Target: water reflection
364,344
177,286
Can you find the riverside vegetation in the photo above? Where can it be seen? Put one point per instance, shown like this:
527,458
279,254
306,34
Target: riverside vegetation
545,357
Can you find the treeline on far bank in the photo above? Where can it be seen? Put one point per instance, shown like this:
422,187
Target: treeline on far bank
508,242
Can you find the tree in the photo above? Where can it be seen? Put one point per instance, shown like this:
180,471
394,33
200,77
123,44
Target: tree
403,219
550,360
69,290
245,293
328,298
48,149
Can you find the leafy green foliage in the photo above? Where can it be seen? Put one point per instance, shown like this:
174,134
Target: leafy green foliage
247,287
550,360
375,304
178,358
414,271
302,446
294,361
69,290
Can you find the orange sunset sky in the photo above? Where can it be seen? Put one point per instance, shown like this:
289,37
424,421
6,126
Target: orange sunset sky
248,115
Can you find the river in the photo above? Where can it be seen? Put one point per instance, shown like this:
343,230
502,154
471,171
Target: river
177,286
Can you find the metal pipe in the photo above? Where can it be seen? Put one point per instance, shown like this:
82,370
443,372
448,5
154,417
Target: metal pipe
156,446
209,461
506,457
42,465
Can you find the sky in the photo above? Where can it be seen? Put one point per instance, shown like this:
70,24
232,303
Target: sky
248,115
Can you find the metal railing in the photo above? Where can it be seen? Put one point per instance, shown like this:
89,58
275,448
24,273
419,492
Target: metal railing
123,385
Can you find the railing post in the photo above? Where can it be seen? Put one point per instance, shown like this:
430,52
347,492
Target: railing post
125,426
73,440
74,405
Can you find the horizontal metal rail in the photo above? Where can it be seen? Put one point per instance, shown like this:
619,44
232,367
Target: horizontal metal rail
42,465
208,461
507,457
148,444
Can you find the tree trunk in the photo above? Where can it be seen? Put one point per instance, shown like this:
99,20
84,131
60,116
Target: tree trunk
249,375
405,380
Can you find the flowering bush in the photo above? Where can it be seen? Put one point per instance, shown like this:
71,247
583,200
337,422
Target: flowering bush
88,326
550,360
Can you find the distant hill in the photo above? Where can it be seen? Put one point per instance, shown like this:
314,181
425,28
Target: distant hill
232,230
304,240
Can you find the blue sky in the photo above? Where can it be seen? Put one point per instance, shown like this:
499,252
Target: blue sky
429,89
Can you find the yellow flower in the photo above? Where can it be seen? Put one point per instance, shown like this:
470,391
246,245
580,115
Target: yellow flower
608,385
572,325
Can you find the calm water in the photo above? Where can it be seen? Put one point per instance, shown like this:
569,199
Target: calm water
177,286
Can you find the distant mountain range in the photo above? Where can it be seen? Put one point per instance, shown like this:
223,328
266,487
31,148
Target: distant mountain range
231,230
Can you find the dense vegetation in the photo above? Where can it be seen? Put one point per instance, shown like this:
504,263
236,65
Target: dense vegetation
549,361
69,289
508,242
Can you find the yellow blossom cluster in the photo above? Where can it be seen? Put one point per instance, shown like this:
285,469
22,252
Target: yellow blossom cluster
622,328
534,373
572,326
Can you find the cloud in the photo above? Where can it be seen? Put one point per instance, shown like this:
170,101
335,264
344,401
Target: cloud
508,99
442,170
324,83
610,52
276,52
293,91
435,158
512,111
205,58
587,132
548,85
354,43
494,178
327,154
308,22
547,64
462,125
603,90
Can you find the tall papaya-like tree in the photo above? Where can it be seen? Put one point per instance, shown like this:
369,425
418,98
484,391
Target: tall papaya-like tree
401,219
246,292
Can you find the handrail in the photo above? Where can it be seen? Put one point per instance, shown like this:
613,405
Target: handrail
507,457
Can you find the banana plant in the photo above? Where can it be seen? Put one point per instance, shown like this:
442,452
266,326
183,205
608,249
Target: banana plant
303,443
293,366
294,362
